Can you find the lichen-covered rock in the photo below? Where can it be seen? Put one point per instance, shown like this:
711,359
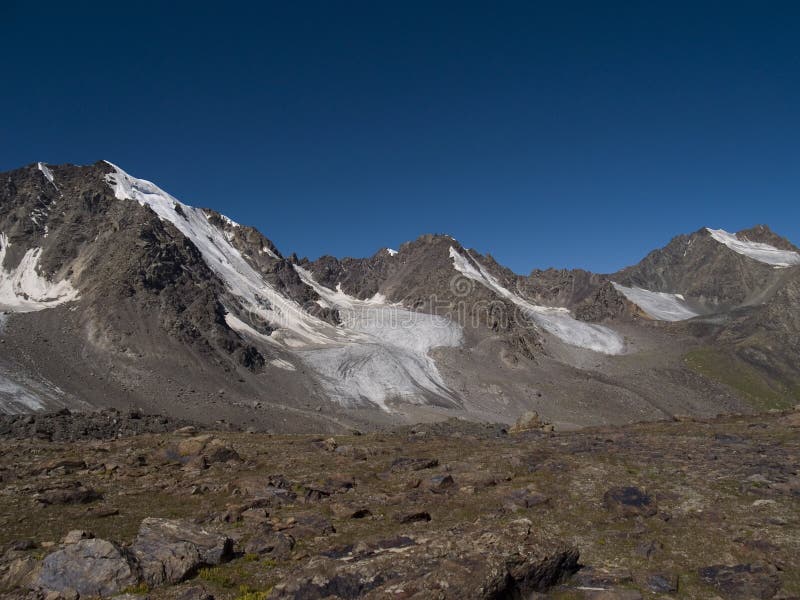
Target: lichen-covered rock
168,551
511,563
90,568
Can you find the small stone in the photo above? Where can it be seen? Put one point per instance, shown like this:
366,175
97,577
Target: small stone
649,548
662,584
629,502
76,535
187,431
414,517
442,482
413,464
194,593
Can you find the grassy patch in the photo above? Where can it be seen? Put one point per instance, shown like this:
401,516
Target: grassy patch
245,593
217,576
761,392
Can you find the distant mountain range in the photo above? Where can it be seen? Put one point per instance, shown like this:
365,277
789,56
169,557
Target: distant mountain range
114,293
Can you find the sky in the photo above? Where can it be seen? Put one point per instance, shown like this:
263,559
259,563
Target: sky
564,134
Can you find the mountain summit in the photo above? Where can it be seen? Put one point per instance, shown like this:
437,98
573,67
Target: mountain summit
115,293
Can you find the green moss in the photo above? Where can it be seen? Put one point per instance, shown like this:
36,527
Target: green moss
756,388
141,588
217,576
245,593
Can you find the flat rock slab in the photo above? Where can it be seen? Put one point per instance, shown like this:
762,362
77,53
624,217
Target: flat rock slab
511,563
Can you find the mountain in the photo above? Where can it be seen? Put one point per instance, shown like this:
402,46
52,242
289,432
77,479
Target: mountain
114,293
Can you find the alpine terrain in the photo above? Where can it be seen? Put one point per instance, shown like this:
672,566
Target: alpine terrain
190,414
116,294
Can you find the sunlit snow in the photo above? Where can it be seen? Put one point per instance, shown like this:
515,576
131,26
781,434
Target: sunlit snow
23,289
47,173
659,305
761,252
556,321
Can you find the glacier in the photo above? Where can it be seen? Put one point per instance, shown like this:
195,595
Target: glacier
661,306
389,358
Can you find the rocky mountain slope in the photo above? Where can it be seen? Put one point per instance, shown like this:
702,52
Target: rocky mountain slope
115,293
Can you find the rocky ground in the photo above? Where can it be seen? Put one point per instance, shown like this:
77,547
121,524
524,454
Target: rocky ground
674,509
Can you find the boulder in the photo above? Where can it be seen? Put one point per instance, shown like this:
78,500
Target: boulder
169,550
414,517
19,573
90,568
69,494
528,421
274,544
311,525
208,447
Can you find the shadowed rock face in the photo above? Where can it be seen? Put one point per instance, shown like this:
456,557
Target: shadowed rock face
128,265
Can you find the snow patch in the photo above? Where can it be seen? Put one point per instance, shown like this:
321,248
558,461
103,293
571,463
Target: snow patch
556,321
764,253
282,364
47,173
659,305
15,399
23,289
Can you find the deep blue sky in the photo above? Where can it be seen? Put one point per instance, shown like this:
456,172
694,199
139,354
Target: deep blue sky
568,134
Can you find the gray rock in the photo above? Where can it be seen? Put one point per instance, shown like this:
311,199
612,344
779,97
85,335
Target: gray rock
743,581
88,567
76,535
275,544
76,494
169,551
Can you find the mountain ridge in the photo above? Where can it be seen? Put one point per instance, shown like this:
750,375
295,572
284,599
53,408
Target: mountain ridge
185,309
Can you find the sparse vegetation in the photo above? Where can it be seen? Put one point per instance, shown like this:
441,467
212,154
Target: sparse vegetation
753,385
